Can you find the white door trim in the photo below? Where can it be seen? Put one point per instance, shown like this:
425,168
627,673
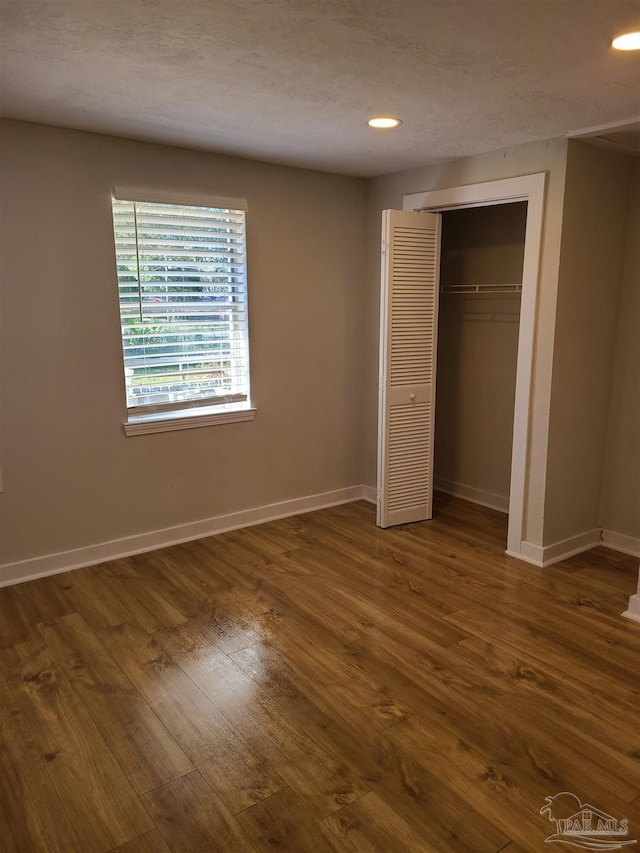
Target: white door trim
529,188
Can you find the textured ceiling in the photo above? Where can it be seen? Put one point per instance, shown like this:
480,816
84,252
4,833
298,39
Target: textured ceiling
294,81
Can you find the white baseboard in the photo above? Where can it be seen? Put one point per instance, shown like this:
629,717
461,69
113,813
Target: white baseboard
53,564
577,544
549,554
63,561
633,612
568,547
370,494
621,542
476,496
528,552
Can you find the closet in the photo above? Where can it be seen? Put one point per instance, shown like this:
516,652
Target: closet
473,388
481,264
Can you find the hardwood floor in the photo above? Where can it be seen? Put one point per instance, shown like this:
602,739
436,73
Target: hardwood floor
317,684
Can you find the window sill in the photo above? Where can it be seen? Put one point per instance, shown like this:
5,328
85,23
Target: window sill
186,419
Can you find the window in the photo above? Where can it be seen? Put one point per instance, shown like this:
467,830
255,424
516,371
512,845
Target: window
182,289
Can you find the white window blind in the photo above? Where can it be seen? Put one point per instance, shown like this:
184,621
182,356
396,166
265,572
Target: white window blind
183,304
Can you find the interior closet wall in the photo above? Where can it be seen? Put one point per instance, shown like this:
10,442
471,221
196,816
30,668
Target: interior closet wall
620,502
477,351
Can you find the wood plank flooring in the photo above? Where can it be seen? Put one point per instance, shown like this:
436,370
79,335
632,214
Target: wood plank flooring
317,684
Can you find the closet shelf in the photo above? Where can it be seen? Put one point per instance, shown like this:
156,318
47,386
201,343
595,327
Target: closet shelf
481,288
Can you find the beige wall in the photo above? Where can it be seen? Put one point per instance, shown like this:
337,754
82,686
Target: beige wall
387,192
71,477
620,505
593,232
483,245
477,351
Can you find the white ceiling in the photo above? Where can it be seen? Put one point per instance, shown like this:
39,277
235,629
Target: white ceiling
294,81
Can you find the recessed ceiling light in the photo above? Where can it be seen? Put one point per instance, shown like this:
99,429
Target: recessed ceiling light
629,41
384,121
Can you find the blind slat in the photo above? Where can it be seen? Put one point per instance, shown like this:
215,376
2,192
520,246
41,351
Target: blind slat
192,230
178,250
162,307
214,222
173,328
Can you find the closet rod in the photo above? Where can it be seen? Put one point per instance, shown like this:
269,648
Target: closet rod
481,288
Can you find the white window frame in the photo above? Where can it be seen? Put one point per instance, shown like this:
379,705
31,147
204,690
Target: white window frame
193,415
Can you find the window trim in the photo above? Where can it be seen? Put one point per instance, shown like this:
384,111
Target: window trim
187,419
193,416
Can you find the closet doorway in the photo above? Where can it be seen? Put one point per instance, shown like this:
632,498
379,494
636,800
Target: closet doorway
529,189
481,261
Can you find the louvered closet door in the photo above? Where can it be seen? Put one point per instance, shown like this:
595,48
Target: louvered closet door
408,330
